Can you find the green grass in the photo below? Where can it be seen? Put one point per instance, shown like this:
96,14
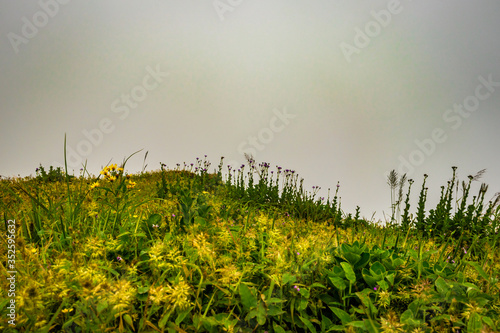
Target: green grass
247,250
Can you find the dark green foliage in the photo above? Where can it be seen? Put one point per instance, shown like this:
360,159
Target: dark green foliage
53,174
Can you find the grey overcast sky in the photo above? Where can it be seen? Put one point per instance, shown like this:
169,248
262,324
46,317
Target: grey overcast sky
336,90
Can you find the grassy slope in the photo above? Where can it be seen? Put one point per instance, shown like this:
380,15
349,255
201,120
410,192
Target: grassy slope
206,257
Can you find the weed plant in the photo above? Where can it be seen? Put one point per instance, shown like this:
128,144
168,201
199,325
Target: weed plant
186,250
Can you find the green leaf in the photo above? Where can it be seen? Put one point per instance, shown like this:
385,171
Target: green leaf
358,324
304,292
365,258
479,270
352,258
102,305
278,328
377,268
302,304
247,298
68,323
154,219
288,278
164,319
441,285
261,314
349,272
128,320
470,286
315,284
274,311
367,302
488,321
342,315
338,282
325,323
390,278
408,318
383,284
142,290
275,300
474,324
183,315
397,262
309,325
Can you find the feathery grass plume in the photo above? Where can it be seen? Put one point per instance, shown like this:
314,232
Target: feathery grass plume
392,181
478,175
401,184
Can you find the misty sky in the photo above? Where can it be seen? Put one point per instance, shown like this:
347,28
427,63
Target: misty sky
336,90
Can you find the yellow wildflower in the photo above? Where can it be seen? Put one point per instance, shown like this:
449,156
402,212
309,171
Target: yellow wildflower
178,295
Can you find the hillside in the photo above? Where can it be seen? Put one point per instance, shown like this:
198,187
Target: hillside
187,250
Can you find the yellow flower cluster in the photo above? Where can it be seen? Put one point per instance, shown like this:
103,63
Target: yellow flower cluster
111,172
179,295
229,274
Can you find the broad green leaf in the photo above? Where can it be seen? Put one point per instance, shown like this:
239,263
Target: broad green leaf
358,324
275,300
154,219
142,290
441,285
273,310
247,298
101,306
183,315
309,325
338,282
446,317
408,314
383,284
470,285
278,328
397,262
488,321
288,278
128,320
164,319
352,258
261,314
349,272
325,323
367,302
475,324
365,258
377,268
342,315
390,278
304,292
302,304
315,284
